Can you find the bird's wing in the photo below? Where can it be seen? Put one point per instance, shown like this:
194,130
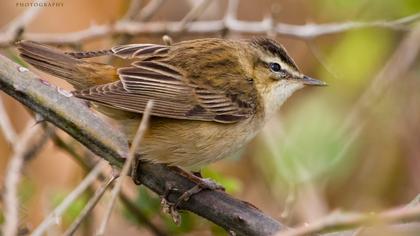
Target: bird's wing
142,51
174,95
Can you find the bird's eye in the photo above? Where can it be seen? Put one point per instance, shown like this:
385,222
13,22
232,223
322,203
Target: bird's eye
275,67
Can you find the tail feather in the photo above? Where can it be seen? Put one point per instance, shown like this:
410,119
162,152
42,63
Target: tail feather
81,74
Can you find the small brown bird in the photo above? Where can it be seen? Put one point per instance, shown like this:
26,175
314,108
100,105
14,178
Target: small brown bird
211,96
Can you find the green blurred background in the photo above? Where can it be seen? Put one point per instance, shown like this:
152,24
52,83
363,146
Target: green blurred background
310,159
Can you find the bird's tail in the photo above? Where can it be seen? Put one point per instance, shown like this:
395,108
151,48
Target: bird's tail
80,73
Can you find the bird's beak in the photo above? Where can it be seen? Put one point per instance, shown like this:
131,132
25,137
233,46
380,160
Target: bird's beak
312,82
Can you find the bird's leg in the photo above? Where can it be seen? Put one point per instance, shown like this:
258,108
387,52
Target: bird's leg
135,170
201,184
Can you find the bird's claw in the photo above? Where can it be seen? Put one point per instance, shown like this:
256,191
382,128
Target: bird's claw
202,184
169,207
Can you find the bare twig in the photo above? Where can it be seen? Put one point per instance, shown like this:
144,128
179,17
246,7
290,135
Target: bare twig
128,163
359,230
90,205
15,28
229,23
404,56
342,221
321,58
6,126
149,10
133,10
193,14
39,142
86,164
54,216
11,198
402,59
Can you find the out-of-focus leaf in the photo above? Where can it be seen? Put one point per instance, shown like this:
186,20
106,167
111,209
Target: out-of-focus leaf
356,58
365,10
149,204
310,146
217,230
26,190
231,184
1,217
188,223
74,209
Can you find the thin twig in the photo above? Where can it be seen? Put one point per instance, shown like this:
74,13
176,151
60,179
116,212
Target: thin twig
402,59
133,10
54,216
86,164
90,205
411,204
193,14
321,58
149,10
128,163
229,23
14,169
39,142
6,126
342,221
15,28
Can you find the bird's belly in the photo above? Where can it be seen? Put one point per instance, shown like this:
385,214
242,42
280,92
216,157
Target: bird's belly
191,144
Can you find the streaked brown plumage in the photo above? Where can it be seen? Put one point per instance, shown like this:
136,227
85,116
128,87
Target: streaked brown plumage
211,96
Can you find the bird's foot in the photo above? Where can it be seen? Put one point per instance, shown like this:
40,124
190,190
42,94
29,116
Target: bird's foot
200,185
169,207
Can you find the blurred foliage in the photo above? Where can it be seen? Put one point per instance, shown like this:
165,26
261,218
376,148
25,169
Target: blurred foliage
73,210
150,205
1,216
356,57
232,185
26,190
307,145
310,145
365,9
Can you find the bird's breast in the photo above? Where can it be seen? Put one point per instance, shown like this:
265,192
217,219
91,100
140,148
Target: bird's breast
192,144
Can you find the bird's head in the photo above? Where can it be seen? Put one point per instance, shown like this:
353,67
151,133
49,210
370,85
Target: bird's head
275,73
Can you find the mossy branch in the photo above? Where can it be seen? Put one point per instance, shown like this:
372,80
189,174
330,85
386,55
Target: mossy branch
74,117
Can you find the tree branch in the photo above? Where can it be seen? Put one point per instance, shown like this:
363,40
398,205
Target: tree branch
76,119
228,23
